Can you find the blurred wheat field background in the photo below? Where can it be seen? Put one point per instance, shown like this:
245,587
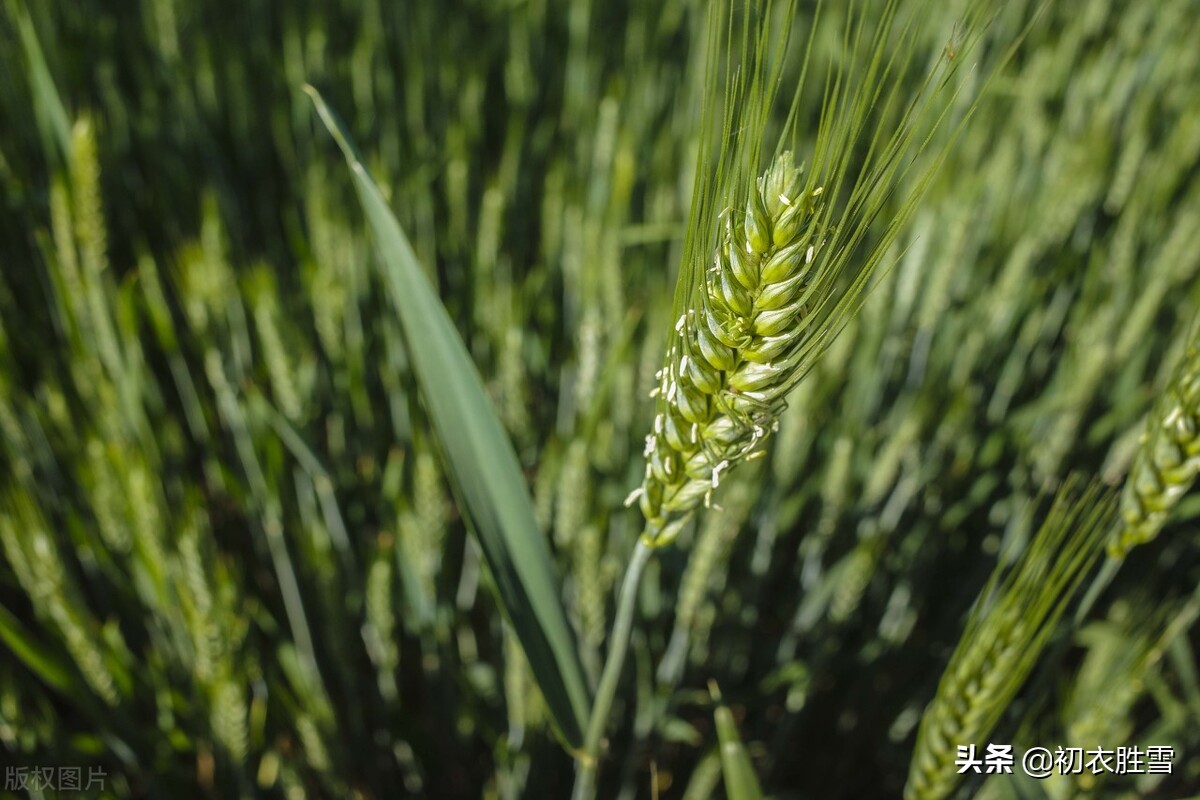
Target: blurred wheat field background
235,563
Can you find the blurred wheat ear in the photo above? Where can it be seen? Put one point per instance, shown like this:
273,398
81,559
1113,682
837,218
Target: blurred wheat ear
1014,618
1167,460
480,459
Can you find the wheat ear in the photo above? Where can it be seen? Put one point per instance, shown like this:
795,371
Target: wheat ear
1004,638
1167,460
738,350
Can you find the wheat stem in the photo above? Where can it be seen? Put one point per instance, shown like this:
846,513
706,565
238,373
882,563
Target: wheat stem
588,760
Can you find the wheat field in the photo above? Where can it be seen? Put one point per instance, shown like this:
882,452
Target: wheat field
563,398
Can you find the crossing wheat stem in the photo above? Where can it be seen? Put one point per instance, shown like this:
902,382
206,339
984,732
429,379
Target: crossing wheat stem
588,760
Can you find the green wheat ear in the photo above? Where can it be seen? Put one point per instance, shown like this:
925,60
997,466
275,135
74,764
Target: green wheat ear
1167,461
738,349
767,283
1005,636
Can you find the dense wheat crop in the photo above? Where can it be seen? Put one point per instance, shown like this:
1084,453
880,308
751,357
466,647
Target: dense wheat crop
672,399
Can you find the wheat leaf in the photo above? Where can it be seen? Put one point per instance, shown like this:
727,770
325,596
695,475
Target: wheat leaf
48,107
35,655
481,461
740,781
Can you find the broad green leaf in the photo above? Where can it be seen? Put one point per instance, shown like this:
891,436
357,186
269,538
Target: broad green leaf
482,463
740,781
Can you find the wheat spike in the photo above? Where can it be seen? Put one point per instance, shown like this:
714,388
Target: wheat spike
1167,460
738,349
379,630
228,715
1004,638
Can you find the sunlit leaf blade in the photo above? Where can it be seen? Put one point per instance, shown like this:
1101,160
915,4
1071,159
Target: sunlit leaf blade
740,781
33,653
482,463
47,105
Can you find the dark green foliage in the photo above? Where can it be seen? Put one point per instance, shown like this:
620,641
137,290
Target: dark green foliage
230,564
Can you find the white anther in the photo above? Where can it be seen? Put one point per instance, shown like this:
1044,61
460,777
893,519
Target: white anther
658,423
708,503
634,495
716,476
651,443
679,324
808,256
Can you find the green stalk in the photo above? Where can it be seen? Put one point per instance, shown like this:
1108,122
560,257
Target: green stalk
588,759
